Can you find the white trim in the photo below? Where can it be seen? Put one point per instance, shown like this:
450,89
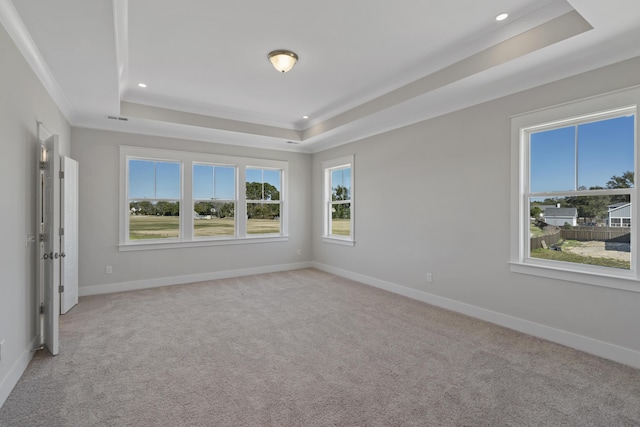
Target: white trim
15,372
109,288
338,241
18,32
155,244
599,348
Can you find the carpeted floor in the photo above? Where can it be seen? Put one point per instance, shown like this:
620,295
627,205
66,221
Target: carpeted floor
306,348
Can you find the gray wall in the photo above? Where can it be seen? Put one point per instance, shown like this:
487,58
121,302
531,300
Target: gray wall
23,102
435,197
98,155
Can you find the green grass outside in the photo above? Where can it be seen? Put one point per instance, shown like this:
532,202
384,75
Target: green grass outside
579,259
341,227
535,231
163,227
153,227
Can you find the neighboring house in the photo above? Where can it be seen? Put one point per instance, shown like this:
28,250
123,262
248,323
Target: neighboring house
619,215
561,216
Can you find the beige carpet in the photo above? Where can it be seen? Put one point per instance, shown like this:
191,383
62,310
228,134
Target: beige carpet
306,348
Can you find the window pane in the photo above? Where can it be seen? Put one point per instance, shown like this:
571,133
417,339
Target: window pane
167,180
552,163
263,184
605,149
341,184
225,183
202,182
263,218
213,182
340,219
213,219
594,230
142,179
154,220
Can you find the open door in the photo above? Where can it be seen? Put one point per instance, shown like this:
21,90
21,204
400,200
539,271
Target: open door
69,238
50,242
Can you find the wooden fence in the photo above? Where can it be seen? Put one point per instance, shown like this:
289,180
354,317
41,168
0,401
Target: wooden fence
584,234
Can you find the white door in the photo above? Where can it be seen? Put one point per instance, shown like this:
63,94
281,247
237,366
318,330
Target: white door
50,251
69,238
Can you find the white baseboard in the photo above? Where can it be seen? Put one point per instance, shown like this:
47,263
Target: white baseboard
602,349
191,278
11,379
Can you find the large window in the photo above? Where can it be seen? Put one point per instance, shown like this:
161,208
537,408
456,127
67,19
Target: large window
174,198
338,200
574,185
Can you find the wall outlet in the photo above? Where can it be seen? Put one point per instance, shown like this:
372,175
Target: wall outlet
429,278
108,269
2,346
299,252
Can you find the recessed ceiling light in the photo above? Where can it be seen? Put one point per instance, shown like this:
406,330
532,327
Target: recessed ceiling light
142,85
502,17
305,117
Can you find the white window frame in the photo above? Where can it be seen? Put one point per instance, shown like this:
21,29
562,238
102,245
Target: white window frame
188,159
327,167
585,110
265,202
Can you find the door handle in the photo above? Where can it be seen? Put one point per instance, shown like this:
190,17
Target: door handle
55,255
62,255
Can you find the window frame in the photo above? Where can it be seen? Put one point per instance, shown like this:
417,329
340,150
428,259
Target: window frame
265,201
600,107
329,166
187,160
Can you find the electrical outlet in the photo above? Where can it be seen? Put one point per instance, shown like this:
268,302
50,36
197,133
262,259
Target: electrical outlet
429,278
299,252
108,269
2,346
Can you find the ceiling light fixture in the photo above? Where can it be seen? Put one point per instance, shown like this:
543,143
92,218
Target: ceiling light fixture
142,85
305,117
502,17
282,60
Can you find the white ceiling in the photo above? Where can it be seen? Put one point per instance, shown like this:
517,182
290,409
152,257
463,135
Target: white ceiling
366,66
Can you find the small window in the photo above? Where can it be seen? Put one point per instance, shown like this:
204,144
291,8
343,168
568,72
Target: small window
338,204
154,199
576,190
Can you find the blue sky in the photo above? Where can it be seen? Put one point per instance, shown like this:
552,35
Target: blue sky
161,180
341,177
604,149
154,180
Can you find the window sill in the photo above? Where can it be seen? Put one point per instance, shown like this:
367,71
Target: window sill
147,246
338,241
625,281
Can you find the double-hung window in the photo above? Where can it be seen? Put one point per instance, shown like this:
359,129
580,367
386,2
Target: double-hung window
214,200
263,188
175,198
154,197
338,212
574,193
